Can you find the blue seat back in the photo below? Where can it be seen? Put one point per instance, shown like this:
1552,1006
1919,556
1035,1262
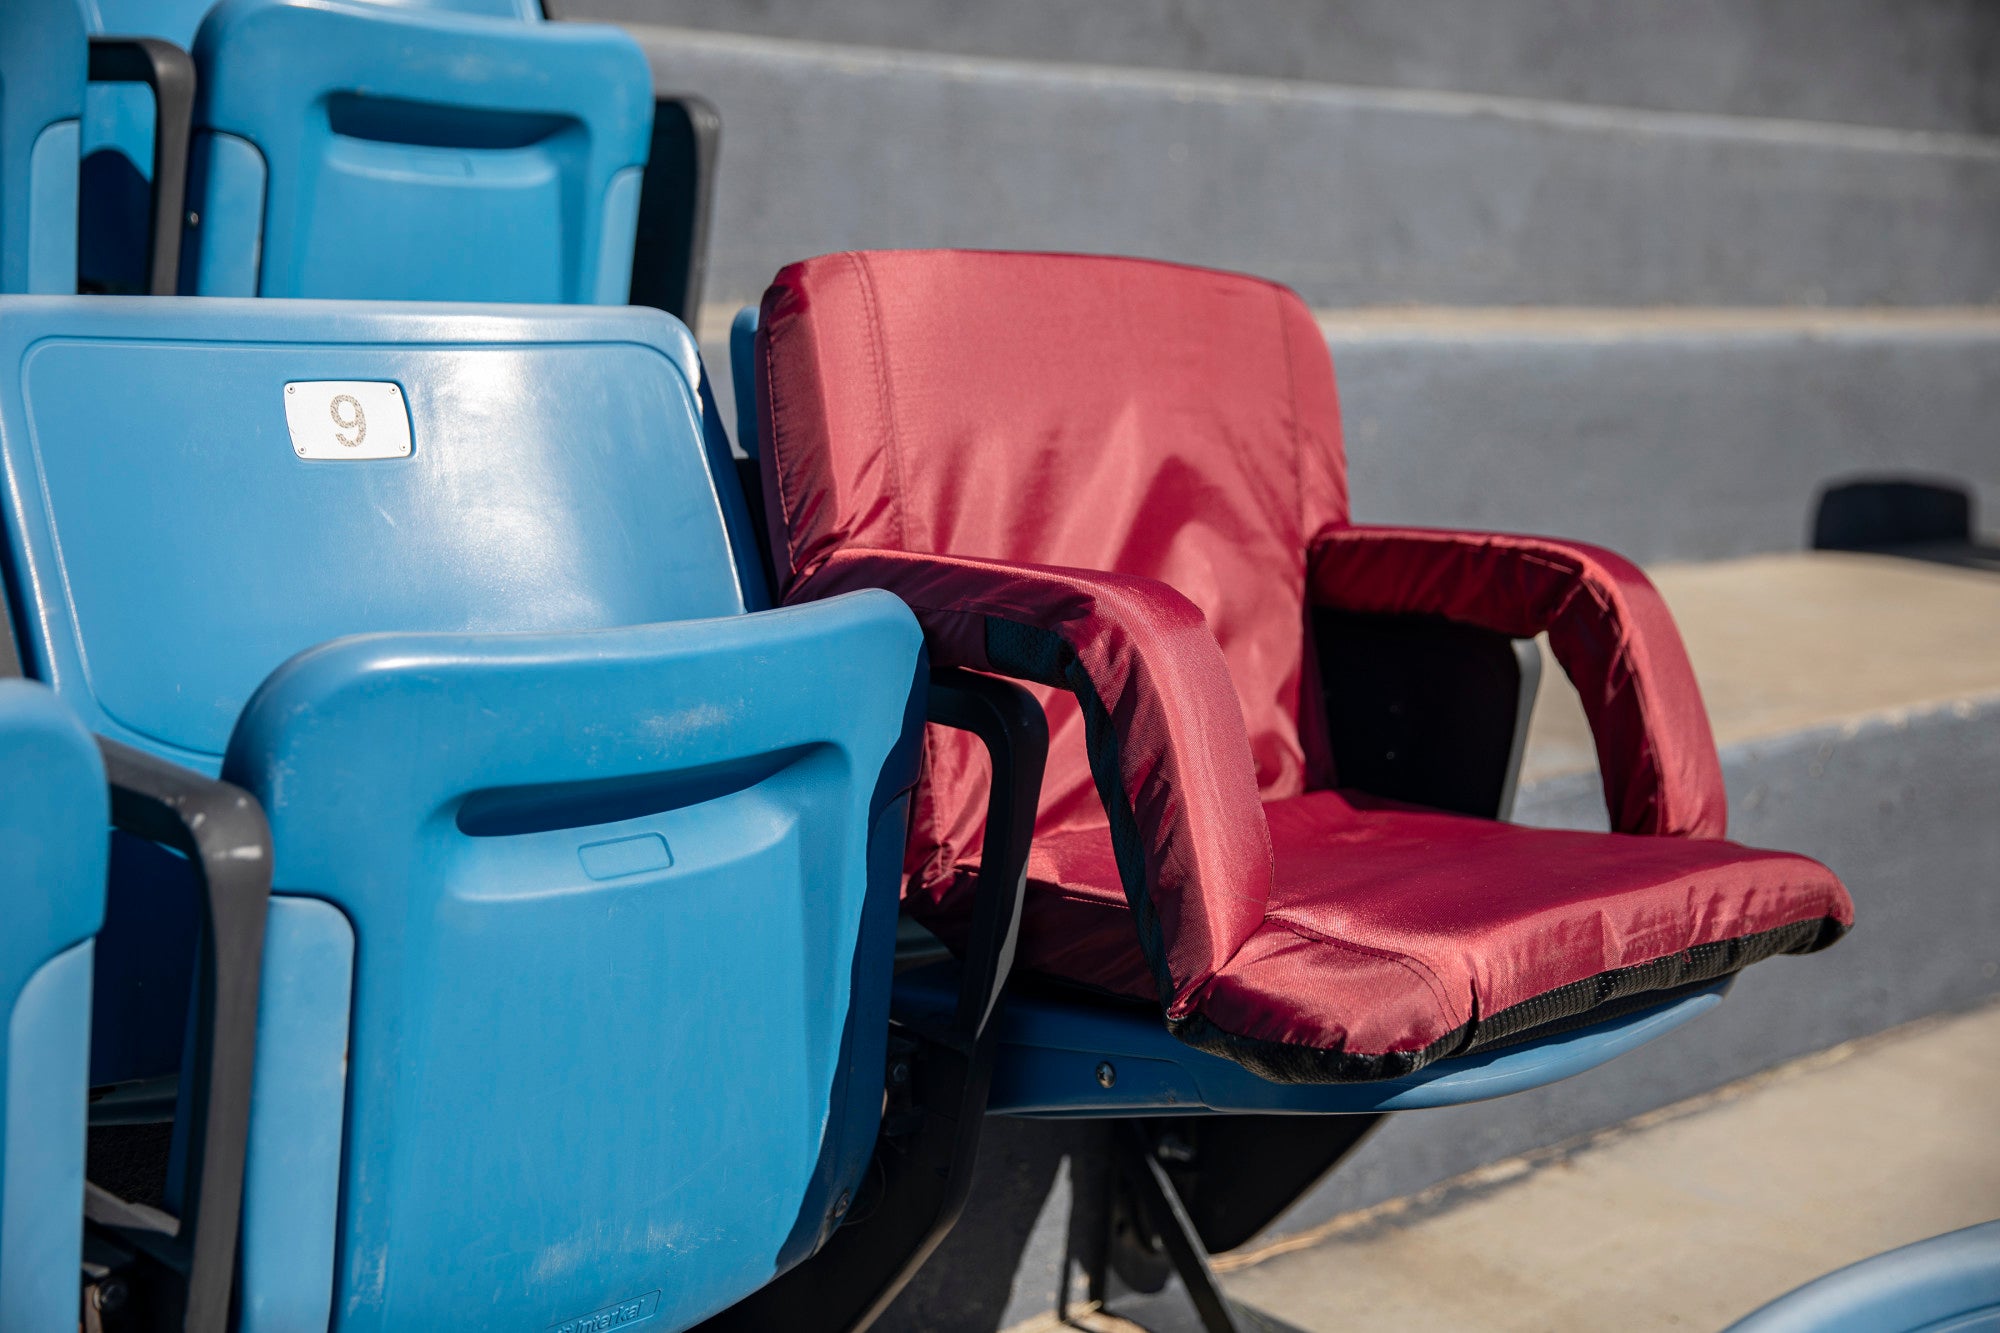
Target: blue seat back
176,21
352,151
182,550
170,20
53,818
576,984
44,60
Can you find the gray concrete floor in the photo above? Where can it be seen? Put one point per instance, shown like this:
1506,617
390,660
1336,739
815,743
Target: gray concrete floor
1684,1219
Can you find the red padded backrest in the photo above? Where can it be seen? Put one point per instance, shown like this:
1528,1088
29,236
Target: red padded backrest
1101,413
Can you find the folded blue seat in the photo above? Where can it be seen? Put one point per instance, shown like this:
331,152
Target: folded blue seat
583,880
356,150
53,817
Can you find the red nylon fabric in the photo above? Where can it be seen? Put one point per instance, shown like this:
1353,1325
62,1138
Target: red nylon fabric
1414,919
1184,757
1419,920
1140,458
1165,422
1606,624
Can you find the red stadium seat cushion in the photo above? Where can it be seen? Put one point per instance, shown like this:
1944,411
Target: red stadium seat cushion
1123,482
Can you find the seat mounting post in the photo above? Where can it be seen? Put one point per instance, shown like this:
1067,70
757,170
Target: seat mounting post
1164,1213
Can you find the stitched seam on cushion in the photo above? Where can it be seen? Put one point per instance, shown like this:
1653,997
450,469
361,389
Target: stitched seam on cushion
777,460
1292,392
1416,967
1305,567
878,355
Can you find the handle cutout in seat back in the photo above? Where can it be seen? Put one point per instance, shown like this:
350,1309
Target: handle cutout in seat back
499,812
435,125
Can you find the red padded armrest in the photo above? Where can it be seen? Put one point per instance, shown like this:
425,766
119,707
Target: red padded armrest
1607,625
1168,750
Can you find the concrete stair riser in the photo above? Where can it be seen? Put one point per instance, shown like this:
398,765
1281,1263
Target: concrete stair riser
1697,437
1354,197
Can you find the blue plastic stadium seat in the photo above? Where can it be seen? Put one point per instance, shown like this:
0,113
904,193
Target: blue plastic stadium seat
177,20
352,150
44,61
1947,1284
576,974
171,20
53,815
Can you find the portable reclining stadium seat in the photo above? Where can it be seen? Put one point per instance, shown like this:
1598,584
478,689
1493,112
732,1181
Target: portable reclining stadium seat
356,150
44,62
53,821
1123,483
575,978
1947,1284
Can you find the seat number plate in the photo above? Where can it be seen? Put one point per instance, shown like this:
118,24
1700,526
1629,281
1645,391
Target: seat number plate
347,419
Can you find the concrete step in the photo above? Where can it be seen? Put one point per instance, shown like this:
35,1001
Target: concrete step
1668,435
1787,644
1687,1219
1856,703
1931,66
1353,196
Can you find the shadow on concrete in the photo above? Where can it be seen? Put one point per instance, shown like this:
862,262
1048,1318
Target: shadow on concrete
1027,1169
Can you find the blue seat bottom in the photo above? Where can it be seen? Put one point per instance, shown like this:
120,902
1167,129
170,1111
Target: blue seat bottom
1063,1057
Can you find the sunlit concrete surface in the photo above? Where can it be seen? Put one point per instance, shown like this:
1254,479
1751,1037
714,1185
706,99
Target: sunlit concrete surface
1684,1219
1786,642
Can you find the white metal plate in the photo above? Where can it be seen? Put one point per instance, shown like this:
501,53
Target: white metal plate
347,419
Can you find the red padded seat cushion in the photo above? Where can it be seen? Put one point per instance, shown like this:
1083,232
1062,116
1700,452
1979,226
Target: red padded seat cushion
1399,932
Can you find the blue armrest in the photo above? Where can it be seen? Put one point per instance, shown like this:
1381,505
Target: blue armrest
612,908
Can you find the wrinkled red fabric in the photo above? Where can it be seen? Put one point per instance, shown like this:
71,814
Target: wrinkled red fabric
1183,755
1421,920
1415,919
1145,460
1170,423
1606,624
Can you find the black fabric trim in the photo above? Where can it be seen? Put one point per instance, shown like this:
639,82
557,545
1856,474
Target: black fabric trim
1045,657
1029,652
1703,963
1580,1003
1281,1062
